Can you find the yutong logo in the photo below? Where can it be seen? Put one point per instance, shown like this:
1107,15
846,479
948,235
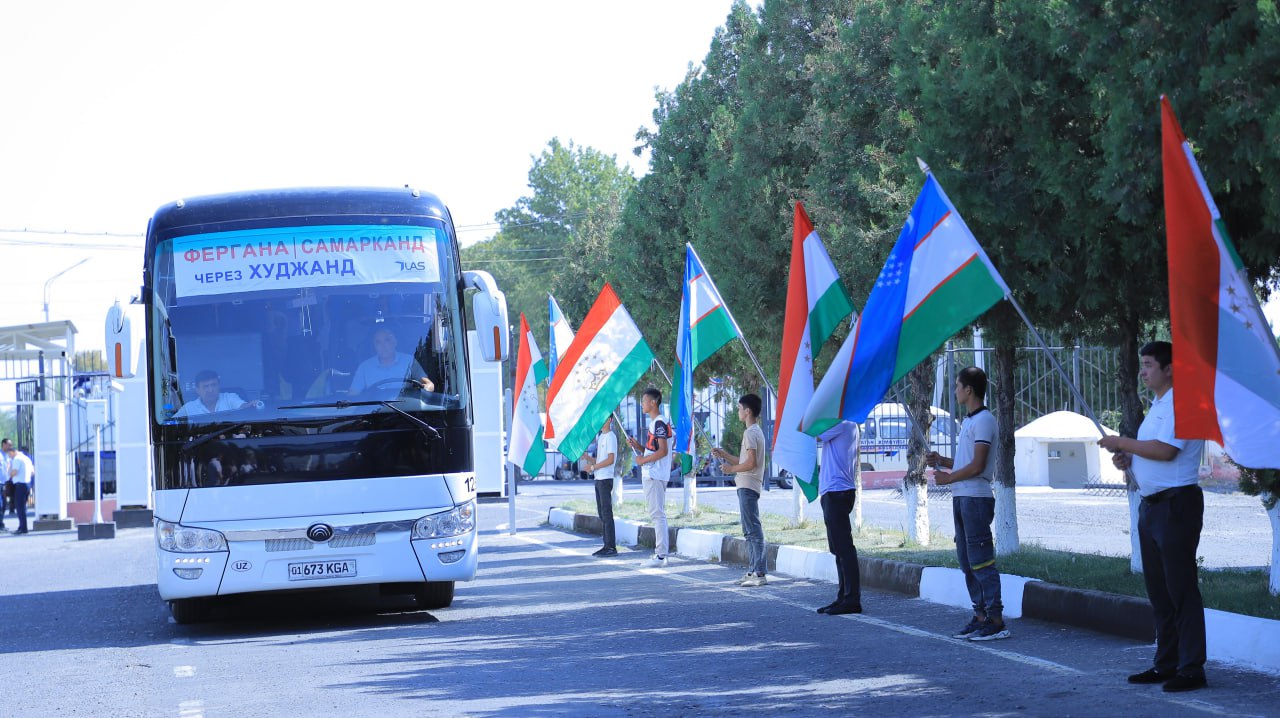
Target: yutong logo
320,532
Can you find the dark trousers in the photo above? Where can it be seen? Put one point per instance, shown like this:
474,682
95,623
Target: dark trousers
21,491
1168,534
604,509
976,552
836,507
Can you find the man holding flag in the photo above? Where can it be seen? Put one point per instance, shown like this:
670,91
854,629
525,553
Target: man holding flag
654,460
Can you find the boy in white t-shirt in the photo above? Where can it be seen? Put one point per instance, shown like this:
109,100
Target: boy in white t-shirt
973,506
602,464
654,459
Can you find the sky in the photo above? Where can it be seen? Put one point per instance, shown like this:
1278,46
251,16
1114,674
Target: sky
112,109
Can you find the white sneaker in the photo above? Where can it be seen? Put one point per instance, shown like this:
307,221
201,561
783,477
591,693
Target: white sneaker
752,580
655,561
745,577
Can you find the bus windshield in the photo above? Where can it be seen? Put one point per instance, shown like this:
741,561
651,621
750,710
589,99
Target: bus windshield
300,324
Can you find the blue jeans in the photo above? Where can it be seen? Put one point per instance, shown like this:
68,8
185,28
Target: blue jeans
752,530
976,550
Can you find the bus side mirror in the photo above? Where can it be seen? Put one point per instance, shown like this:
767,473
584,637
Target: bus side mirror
489,305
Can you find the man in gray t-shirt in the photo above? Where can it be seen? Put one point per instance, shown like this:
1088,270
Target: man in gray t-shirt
973,506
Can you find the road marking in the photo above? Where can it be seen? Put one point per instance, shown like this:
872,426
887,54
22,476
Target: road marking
184,671
191,709
1024,659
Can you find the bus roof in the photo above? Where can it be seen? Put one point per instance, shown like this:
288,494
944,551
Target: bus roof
297,202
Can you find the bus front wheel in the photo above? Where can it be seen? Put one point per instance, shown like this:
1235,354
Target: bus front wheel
434,594
189,610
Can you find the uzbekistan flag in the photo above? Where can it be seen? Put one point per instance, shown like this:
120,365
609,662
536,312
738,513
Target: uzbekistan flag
606,359
705,326
561,332
816,304
561,337
936,281
1225,361
525,445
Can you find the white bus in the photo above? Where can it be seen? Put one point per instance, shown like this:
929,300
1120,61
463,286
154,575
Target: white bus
310,404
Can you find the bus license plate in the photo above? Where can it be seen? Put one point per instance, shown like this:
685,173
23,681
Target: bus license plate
321,569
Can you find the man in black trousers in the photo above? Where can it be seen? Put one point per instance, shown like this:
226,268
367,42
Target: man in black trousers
1169,521
837,491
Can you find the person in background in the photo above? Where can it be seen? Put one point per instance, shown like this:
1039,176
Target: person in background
973,506
837,492
1170,518
6,486
748,475
602,464
20,473
654,460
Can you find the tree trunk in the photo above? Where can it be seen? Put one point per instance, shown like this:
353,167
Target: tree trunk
690,491
857,492
916,483
1005,483
1131,418
1273,513
798,502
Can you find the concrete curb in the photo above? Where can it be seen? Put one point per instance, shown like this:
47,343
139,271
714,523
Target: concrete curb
1232,638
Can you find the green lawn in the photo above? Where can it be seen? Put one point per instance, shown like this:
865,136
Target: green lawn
1242,592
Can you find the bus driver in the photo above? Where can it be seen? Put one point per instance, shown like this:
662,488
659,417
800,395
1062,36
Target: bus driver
210,398
388,365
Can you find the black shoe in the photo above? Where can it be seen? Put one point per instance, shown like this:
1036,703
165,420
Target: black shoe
828,607
606,552
20,531
1150,675
841,609
1180,683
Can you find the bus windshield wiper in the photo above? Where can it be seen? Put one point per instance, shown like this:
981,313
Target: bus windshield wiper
430,430
219,431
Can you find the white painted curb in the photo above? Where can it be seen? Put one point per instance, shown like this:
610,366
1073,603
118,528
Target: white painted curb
696,543
560,518
807,563
627,532
947,586
1243,640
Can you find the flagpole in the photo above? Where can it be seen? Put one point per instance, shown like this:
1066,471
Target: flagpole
741,337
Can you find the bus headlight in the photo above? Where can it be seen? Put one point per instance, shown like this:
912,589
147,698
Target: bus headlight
187,539
461,519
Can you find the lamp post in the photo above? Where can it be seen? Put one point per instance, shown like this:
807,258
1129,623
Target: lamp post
50,281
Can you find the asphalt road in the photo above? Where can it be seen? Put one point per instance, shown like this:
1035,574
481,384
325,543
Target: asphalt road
546,630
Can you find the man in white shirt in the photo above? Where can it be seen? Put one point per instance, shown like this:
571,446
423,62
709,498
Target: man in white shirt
211,399
388,366
1169,522
654,459
20,471
6,487
602,464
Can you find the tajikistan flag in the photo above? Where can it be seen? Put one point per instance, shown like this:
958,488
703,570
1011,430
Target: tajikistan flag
1225,361
606,359
525,447
936,281
705,326
816,304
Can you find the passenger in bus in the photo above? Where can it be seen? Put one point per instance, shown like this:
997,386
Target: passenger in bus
211,399
388,365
